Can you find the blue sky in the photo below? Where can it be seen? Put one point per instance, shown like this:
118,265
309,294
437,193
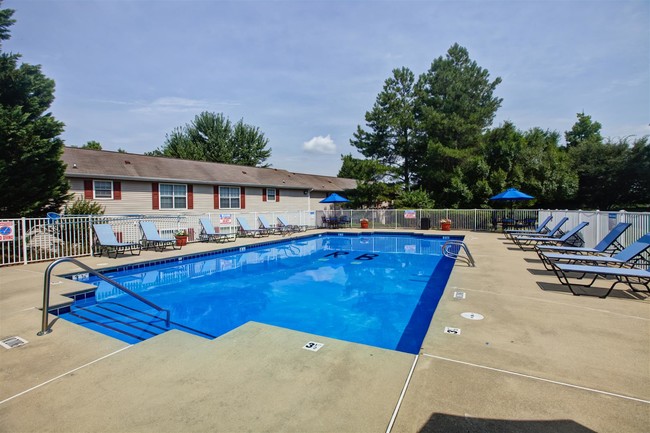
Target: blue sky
305,72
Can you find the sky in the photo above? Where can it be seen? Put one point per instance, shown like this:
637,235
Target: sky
128,72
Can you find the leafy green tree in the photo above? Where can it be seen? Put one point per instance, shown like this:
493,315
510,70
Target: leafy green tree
94,145
390,137
583,130
454,106
636,193
371,190
212,137
32,175
414,199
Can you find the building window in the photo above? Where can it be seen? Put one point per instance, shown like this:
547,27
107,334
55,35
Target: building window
270,194
173,196
103,189
229,197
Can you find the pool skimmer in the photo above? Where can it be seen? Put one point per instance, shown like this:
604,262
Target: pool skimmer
11,342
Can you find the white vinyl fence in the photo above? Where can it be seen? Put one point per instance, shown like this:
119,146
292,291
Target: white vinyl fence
25,240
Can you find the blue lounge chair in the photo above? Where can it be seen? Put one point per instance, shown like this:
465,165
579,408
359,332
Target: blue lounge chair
152,239
106,241
246,230
609,244
208,233
629,276
270,228
291,227
572,237
541,229
629,256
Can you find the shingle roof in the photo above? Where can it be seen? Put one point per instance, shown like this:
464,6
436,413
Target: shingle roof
102,164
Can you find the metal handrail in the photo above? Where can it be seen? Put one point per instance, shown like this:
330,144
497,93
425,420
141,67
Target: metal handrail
45,329
447,252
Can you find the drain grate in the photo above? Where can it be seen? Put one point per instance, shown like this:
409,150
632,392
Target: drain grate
11,342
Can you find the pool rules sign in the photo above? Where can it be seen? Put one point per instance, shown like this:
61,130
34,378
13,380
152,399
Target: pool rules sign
6,231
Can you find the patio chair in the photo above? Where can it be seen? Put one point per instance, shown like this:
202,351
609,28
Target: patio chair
572,237
152,239
246,230
539,230
208,233
344,221
106,241
627,257
291,227
270,228
609,244
628,276
554,232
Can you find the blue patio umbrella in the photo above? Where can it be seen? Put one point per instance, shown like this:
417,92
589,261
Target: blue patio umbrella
512,194
334,198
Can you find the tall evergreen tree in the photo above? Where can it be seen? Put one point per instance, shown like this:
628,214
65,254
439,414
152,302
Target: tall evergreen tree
390,137
32,175
455,104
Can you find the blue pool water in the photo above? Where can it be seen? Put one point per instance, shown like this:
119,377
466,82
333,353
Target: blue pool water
379,290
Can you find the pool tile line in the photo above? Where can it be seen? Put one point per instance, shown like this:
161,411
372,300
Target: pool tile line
541,379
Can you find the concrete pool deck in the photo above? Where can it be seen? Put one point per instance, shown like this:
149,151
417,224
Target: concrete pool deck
541,360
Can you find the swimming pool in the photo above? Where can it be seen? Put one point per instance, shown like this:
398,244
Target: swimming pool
377,289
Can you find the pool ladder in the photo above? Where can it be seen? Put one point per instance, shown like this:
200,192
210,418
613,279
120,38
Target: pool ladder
453,248
45,326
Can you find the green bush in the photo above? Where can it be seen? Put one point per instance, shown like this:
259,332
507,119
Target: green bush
84,207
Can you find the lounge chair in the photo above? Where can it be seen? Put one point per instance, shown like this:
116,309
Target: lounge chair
246,230
629,276
270,228
628,257
152,239
106,241
609,244
291,227
208,233
572,237
538,231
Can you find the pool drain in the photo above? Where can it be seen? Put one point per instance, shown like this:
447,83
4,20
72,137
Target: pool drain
11,342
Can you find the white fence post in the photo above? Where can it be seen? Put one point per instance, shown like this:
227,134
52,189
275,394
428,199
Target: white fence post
23,228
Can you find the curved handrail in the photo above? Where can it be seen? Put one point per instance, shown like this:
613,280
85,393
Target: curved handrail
45,329
447,252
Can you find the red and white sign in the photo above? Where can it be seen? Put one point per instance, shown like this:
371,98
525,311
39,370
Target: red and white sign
6,231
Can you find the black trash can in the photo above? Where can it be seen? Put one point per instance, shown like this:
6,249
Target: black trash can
425,223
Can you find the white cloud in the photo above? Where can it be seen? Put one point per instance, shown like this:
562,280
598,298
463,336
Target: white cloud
172,105
320,144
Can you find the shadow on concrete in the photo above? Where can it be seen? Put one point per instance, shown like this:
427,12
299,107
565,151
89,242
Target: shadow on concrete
444,423
618,291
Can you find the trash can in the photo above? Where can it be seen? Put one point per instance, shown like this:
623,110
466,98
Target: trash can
425,223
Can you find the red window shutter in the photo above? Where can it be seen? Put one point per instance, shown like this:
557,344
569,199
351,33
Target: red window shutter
155,198
242,197
117,190
216,196
88,189
190,196
277,194
263,194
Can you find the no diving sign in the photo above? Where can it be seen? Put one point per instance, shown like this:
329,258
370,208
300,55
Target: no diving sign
6,231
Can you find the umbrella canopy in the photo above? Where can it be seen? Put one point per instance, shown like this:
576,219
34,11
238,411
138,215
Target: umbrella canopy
334,198
512,194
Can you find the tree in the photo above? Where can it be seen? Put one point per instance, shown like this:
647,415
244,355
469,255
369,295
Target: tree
583,130
94,145
371,190
391,135
211,137
32,175
454,106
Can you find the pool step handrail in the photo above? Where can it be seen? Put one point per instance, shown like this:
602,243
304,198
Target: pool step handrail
45,326
453,248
